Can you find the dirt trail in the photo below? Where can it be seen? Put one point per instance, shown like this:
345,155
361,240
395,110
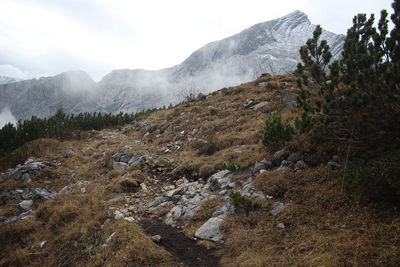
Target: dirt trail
179,245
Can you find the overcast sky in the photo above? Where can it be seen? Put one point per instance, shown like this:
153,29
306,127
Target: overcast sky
46,37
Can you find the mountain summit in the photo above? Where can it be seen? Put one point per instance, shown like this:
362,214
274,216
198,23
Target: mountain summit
268,47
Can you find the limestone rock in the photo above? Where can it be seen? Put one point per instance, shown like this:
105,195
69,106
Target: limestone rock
210,230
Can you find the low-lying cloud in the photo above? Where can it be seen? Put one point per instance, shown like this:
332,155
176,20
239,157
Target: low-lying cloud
6,116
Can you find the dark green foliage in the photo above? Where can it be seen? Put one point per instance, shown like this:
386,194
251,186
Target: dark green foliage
60,126
379,176
206,147
359,98
316,57
242,203
356,105
229,165
276,131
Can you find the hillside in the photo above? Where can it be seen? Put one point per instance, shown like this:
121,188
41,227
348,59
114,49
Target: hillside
267,47
157,193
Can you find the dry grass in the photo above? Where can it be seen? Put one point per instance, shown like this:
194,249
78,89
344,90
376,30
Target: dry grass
323,227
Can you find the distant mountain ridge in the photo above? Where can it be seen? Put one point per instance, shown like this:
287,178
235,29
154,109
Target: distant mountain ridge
268,47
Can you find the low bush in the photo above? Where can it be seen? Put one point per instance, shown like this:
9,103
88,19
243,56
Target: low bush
229,165
276,131
242,203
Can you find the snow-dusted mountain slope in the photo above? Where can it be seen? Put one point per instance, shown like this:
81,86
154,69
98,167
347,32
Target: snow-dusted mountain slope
268,47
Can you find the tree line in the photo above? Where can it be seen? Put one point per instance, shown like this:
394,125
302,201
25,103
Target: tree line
60,126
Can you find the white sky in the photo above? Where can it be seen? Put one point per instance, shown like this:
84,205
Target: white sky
46,37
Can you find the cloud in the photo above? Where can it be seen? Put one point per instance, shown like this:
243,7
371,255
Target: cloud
97,36
6,116
11,71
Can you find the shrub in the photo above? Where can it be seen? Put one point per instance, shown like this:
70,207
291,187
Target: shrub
379,177
242,203
229,165
206,147
276,131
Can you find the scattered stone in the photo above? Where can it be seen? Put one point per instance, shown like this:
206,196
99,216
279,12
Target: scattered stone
280,225
276,208
25,205
248,103
301,165
259,105
281,154
156,238
120,166
283,169
110,237
42,194
333,164
262,165
287,163
129,219
118,215
41,244
290,99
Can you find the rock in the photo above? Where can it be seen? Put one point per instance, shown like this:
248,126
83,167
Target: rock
22,216
25,205
224,210
129,219
116,199
110,237
157,209
276,208
283,169
41,244
156,238
136,159
210,230
289,99
262,84
280,225
141,124
262,165
294,157
286,163
248,103
301,165
259,105
333,164
118,215
219,181
120,166
281,154
42,194
144,187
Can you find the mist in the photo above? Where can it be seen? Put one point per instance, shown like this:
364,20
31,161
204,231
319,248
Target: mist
6,116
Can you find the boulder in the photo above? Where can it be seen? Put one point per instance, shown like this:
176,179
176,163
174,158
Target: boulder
210,230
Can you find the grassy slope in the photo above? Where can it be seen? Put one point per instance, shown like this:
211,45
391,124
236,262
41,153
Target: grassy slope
325,226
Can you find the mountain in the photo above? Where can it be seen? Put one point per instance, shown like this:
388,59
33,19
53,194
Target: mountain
6,79
268,47
72,91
